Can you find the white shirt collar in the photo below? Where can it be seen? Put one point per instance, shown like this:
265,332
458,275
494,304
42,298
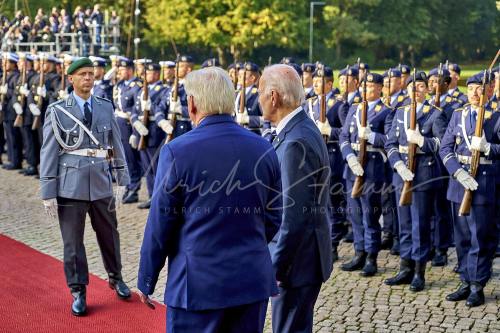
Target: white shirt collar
284,121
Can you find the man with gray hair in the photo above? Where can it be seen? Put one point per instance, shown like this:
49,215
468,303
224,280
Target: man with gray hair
301,251
216,207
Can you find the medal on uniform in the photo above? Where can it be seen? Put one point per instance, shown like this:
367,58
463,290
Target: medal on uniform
351,128
458,139
397,132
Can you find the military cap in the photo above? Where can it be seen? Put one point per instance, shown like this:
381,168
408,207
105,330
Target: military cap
167,64
297,68
125,62
405,69
288,60
212,62
153,67
349,71
323,71
374,78
236,65
185,58
455,68
77,64
30,57
251,67
11,56
419,77
52,59
393,71
308,67
435,72
98,61
477,78
361,65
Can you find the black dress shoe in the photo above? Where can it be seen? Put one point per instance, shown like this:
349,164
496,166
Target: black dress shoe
349,237
386,241
120,287
356,263
440,258
132,197
460,294
144,205
11,166
79,306
370,267
405,274
395,247
22,171
335,254
125,194
476,297
30,171
418,281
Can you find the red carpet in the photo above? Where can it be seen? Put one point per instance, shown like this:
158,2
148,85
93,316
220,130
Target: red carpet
34,298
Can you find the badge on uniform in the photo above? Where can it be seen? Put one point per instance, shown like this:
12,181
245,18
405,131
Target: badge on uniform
494,105
330,103
157,88
401,98
351,128
356,99
456,93
75,139
254,90
447,99
378,108
132,84
397,132
487,114
426,109
458,139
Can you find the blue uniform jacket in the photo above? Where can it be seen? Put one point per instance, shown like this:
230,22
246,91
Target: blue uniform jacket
252,106
103,89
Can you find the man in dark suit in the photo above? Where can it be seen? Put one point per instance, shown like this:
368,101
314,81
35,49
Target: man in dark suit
301,251
216,207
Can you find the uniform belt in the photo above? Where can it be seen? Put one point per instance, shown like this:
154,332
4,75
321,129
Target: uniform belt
151,118
467,160
369,148
89,152
121,114
404,150
178,117
333,141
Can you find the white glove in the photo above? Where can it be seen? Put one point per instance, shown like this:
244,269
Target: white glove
146,104
414,136
41,91
3,89
324,128
356,168
119,191
464,178
63,94
175,106
480,144
24,90
140,128
364,132
242,118
18,108
110,74
34,109
50,207
403,171
133,141
166,126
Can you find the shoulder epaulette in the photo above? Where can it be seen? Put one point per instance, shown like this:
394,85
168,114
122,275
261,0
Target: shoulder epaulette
102,99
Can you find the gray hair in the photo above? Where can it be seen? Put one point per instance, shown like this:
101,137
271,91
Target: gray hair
286,82
212,90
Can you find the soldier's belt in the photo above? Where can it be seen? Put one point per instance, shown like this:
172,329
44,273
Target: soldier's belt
151,118
177,117
467,160
89,152
370,148
333,141
404,150
121,114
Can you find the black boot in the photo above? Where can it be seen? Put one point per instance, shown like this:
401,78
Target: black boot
349,237
405,274
79,306
461,293
395,246
370,267
131,197
476,297
335,254
120,287
31,171
386,241
356,263
440,258
145,204
418,281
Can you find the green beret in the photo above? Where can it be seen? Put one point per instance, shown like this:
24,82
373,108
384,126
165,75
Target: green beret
80,63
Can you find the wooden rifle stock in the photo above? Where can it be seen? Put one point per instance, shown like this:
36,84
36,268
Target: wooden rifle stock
243,90
145,113
388,96
4,79
21,98
322,110
175,95
357,188
437,97
39,101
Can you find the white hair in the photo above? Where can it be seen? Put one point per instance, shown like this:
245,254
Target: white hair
212,90
286,82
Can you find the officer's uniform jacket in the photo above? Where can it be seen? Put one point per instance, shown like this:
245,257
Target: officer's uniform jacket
162,109
27,115
103,89
252,107
80,177
125,95
33,97
459,96
344,106
11,97
455,151
427,170
448,105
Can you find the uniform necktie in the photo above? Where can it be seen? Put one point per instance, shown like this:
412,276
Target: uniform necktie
87,113
473,115
273,135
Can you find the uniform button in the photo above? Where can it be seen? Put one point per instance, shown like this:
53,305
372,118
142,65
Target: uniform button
64,164
484,172
430,163
373,156
92,162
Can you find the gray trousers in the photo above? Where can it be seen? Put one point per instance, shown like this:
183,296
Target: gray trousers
72,214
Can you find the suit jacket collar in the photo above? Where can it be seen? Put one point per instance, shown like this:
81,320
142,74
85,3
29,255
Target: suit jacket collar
215,119
299,117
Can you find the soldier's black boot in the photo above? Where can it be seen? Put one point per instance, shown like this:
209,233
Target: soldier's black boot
418,281
79,306
395,247
476,297
405,274
386,241
356,263
120,287
131,197
335,253
349,236
440,258
145,204
370,267
30,171
460,294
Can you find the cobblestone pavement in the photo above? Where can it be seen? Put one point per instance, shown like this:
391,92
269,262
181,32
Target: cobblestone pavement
347,302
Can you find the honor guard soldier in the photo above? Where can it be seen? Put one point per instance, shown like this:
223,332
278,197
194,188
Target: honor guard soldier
149,129
405,74
364,212
102,87
140,65
251,117
476,235
396,97
81,139
233,71
168,70
348,79
414,218
212,62
453,90
307,79
363,69
8,99
125,98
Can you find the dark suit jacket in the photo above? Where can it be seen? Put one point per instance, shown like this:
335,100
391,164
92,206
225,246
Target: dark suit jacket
216,207
301,251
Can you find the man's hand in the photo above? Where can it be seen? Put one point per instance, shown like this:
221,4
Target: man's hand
132,141
242,118
166,126
467,181
415,137
24,90
41,91
355,166
50,206
364,132
140,128
480,144
146,104
324,128
146,300
175,106
34,109
403,171
18,108
63,94
4,89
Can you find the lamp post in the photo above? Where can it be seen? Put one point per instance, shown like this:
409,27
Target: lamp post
311,27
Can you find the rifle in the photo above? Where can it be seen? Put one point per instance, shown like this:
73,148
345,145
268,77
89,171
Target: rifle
63,77
39,100
357,188
406,193
4,79
114,61
175,95
388,97
162,75
437,97
465,206
243,90
322,110
145,113
21,98
346,86
237,70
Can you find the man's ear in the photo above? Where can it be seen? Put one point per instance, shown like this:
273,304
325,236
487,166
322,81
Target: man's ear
70,79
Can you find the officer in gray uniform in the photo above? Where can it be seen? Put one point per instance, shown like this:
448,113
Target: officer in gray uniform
80,140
